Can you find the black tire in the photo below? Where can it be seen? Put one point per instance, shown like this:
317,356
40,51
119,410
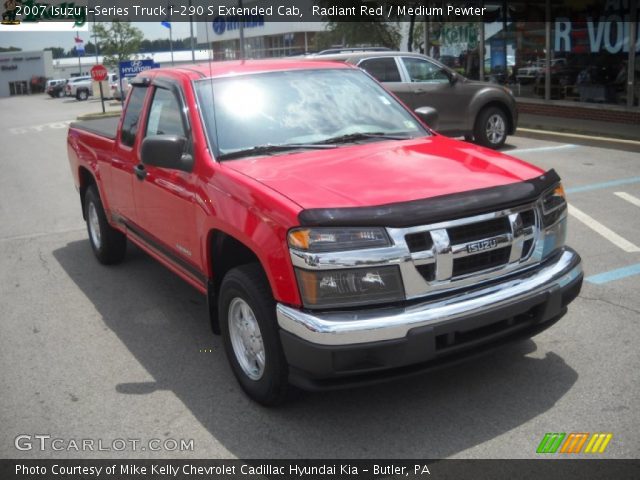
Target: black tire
60,93
109,245
82,95
491,127
249,284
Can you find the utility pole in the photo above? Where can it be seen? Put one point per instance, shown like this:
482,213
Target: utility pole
171,43
241,32
191,39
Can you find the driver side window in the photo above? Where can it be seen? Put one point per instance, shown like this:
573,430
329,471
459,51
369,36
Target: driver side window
424,71
164,116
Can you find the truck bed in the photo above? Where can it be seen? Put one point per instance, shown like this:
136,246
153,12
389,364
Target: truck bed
104,127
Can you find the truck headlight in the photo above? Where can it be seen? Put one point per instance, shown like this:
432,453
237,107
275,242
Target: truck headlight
326,239
554,220
350,287
554,204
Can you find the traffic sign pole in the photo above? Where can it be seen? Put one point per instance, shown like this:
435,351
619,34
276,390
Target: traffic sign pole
99,74
101,96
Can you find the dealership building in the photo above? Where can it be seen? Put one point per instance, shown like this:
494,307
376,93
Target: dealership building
560,58
591,49
20,72
24,73
261,38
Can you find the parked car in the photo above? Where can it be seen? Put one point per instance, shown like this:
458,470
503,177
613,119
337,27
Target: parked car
336,50
57,90
79,87
116,93
52,83
337,239
480,111
529,73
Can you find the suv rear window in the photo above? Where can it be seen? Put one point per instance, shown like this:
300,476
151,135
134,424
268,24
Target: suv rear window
382,69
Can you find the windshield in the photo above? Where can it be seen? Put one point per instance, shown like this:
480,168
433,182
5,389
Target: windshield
300,109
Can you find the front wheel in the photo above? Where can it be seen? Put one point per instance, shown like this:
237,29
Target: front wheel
82,95
491,127
108,244
249,328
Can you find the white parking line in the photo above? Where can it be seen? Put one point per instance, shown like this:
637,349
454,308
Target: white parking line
607,233
629,198
540,149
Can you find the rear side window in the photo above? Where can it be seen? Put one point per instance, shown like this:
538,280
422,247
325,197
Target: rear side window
382,69
164,115
132,116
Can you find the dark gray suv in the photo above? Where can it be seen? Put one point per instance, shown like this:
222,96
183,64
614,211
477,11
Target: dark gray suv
480,111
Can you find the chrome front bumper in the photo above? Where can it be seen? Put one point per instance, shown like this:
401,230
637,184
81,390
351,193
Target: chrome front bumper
380,324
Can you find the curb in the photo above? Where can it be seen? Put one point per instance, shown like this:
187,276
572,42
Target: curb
583,138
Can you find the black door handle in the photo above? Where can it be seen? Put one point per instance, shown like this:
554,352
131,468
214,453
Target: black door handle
140,171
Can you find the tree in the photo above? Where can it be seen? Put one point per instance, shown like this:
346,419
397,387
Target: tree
117,41
57,52
359,34
369,30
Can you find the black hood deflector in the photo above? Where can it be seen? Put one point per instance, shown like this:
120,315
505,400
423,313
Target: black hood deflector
434,209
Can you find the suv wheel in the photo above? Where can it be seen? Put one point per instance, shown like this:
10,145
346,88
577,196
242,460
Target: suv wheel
491,127
60,93
249,328
82,95
108,244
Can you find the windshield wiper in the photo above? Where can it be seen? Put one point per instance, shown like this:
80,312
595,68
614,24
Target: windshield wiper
353,137
271,148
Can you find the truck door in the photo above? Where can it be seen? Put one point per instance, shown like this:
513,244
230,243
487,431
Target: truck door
164,198
124,158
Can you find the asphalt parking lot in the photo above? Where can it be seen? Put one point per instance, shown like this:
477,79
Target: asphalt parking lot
91,352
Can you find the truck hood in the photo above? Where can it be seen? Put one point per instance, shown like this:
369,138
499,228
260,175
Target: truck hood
384,172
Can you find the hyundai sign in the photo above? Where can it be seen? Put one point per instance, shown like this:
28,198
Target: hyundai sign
134,67
222,24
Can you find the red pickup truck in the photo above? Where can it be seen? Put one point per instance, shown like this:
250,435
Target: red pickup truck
338,239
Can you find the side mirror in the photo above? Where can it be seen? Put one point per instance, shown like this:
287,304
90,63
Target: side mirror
166,151
428,115
453,77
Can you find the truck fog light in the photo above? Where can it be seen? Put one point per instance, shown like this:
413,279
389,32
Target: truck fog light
350,287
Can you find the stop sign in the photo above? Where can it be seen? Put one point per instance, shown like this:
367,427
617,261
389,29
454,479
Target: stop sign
99,73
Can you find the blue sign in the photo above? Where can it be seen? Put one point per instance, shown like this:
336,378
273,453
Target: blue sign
223,24
134,67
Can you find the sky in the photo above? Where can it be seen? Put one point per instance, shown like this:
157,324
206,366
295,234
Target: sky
39,40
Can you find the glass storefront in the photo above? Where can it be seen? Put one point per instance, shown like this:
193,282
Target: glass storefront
589,46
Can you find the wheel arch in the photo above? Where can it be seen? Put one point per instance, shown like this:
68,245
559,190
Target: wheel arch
225,253
86,179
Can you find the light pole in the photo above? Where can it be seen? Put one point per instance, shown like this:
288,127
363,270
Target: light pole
241,31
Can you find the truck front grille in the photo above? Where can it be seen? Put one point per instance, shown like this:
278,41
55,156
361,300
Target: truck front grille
478,231
469,250
418,242
481,261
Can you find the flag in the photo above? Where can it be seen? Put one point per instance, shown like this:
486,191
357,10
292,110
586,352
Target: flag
166,24
79,45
